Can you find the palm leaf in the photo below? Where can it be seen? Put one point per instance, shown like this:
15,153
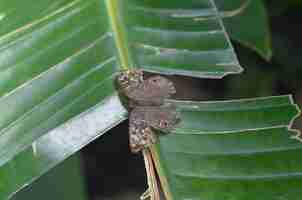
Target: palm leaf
232,150
58,61
57,145
185,38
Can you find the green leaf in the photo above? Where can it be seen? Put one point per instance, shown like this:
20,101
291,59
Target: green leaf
53,67
54,147
70,186
184,38
249,25
59,58
239,150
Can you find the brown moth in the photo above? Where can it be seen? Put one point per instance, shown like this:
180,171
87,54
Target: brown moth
148,112
150,92
144,119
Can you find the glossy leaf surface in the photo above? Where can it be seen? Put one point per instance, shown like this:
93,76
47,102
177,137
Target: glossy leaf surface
58,60
52,68
179,37
233,150
54,147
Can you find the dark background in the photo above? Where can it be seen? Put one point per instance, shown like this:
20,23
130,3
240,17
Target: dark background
111,172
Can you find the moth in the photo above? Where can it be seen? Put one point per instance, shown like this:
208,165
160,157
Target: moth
146,106
143,120
150,92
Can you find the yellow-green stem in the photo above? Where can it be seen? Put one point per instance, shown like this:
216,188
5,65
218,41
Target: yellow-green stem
119,34
160,172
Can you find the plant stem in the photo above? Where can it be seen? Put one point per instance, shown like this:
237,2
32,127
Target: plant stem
151,175
119,34
160,172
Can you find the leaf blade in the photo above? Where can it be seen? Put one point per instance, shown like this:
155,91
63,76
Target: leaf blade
44,93
60,50
230,162
161,43
54,147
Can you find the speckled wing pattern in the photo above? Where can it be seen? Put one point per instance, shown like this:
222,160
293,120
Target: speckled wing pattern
144,119
150,92
140,133
147,109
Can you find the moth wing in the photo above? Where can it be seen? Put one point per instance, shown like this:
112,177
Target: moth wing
141,135
163,118
163,86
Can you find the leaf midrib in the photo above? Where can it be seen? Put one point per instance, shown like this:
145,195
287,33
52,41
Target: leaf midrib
119,34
